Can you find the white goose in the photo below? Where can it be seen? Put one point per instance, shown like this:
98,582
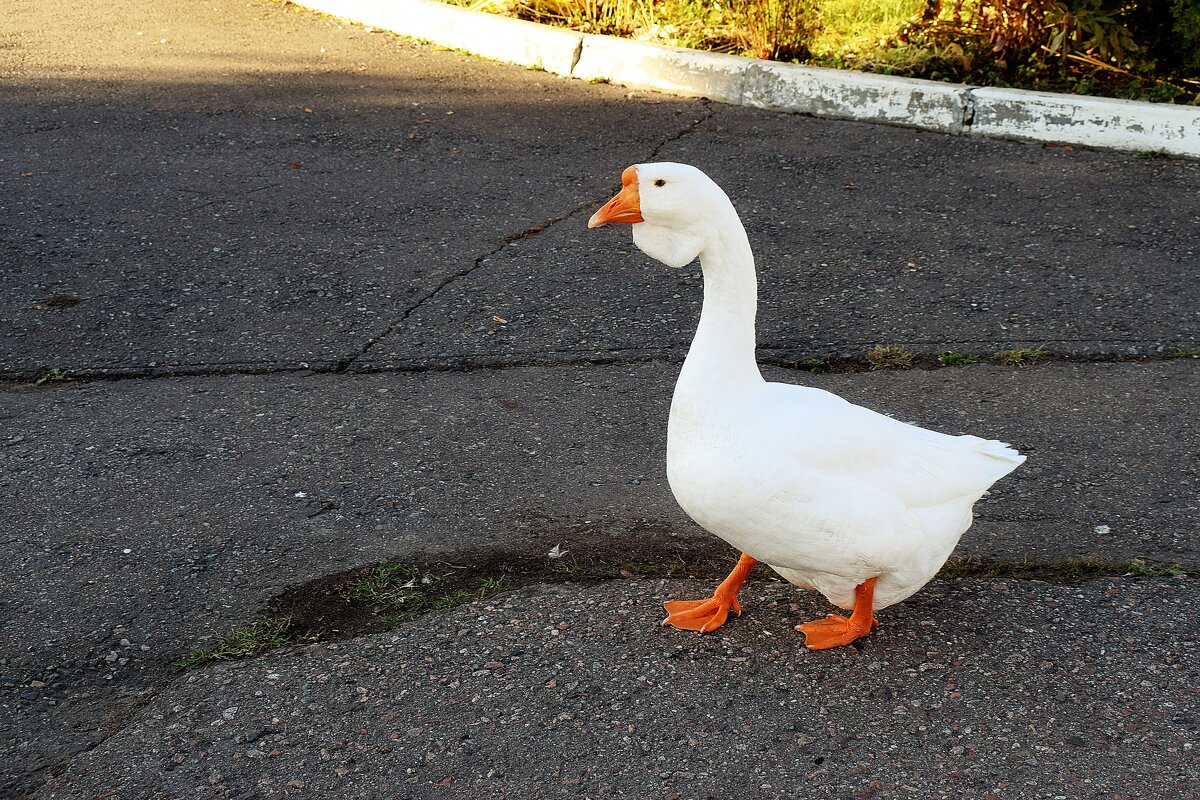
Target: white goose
832,496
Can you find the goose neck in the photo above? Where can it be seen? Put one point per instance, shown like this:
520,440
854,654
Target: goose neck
725,338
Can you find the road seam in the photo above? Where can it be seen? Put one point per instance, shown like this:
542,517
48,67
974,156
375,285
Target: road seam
782,358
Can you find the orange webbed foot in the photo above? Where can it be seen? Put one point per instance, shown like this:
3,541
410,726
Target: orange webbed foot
700,615
833,631
836,630
708,615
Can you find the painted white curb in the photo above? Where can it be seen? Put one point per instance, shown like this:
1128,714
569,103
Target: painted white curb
1094,121
489,35
856,95
692,73
842,94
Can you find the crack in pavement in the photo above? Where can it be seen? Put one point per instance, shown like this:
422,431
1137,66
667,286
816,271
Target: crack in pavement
347,361
329,607
782,358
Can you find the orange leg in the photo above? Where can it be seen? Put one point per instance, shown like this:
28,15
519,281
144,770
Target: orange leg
836,630
708,615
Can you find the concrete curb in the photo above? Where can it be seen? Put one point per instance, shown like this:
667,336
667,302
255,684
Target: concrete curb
947,108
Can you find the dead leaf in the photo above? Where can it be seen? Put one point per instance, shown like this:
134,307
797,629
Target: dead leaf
26,174
296,164
499,320
308,110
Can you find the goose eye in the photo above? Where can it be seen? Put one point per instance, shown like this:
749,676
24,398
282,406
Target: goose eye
660,182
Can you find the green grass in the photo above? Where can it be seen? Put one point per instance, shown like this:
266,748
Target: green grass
1181,354
1068,572
1018,357
244,643
958,43
568,565
391,586
889,357
1141,569
856,26
953,359
399,591
53,374
491,586
452,599
813,365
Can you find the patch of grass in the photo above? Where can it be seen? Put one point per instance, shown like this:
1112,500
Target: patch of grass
889,357
850,27
491,586
813,365
401,591
52,375
1019,357
1181,354
1139,568
1069,572
453,599
953,359
568,565
390,586
249,641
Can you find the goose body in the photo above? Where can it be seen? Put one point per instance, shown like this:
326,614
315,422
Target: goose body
832,496
829,494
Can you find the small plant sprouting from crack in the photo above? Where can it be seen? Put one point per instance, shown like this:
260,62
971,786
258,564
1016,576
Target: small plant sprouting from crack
1070,572
1139,568
389,586
452,599
568,565
1018,357
491,586
815,365
954,359
401,591
54,374
255,638
886,356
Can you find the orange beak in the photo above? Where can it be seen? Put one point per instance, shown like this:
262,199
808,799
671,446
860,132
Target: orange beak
625,207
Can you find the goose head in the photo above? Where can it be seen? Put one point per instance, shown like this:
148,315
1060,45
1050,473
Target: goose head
675,210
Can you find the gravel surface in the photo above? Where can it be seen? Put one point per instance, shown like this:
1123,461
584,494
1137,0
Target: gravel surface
972,689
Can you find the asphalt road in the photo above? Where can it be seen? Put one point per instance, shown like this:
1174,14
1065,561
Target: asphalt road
323,297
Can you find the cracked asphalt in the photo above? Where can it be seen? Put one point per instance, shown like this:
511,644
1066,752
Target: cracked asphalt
303,297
